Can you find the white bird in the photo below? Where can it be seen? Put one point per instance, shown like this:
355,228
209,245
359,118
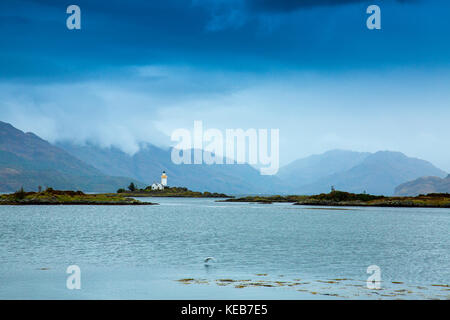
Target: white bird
208,260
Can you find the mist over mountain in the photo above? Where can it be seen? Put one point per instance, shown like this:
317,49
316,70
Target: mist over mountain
377,173
147,164
29,161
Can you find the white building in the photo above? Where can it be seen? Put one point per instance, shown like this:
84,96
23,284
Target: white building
157,186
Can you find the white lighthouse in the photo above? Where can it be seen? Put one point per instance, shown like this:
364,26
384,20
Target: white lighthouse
164,179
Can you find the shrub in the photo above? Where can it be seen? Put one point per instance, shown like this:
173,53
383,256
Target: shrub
20,194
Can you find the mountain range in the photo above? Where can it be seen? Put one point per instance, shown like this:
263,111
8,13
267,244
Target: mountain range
29,161
306,171
376,173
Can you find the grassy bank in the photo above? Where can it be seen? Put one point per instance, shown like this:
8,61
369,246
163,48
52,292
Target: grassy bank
57,197
170,192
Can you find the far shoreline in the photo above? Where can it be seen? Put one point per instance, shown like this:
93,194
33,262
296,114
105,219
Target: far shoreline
76,204
335,198
346,199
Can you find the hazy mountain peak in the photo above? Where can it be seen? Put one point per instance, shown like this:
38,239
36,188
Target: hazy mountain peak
424,185
389,153
310,169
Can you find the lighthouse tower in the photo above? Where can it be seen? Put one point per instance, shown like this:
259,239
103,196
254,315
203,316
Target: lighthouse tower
164,179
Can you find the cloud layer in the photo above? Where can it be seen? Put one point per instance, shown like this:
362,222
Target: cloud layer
139,69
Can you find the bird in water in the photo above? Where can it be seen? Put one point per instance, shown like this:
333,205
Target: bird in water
209,261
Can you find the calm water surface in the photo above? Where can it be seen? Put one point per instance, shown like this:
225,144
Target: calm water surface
277,251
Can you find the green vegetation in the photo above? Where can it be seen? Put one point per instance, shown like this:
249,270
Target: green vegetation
20,194
132,187
169,192
339,198
57,197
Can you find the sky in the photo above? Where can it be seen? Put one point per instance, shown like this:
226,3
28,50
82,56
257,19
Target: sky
139,69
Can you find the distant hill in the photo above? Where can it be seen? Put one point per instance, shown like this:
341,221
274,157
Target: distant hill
424,185
308,170
29,161
377,173
147,165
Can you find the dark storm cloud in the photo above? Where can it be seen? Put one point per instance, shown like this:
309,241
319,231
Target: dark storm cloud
210,34
292,5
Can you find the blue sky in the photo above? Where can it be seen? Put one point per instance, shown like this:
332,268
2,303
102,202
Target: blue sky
139,69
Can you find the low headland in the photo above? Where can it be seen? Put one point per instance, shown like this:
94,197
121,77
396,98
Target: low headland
58,197
123,197
181,192
340,198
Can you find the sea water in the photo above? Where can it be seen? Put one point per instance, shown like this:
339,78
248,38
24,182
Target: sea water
260,251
